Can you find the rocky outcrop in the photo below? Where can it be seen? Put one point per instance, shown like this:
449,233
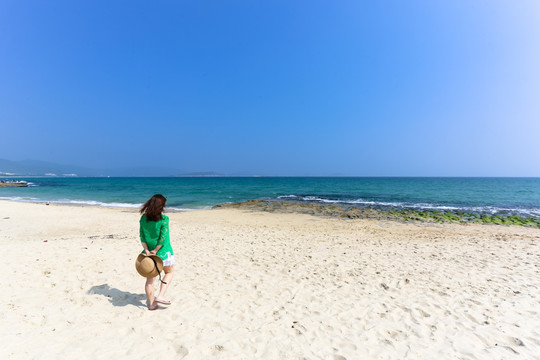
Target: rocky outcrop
14,184
310,208
402,215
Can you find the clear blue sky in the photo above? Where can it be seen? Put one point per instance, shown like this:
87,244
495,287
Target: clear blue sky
367,88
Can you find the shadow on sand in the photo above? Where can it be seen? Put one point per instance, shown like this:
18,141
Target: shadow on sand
119,297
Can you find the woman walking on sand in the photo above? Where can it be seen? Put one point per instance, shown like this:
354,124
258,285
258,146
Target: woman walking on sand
154,234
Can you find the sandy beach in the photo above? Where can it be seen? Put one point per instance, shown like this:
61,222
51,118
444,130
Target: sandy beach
253,285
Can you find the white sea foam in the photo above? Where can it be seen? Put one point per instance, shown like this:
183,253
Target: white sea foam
95,203
492,210
20,198
314,198
288,197
70,202
175,209
373,203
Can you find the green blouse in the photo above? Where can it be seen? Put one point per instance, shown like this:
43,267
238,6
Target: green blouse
155,233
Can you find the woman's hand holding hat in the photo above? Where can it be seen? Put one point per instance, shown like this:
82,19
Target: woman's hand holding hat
149,266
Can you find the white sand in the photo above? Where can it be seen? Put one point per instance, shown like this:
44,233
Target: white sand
266,286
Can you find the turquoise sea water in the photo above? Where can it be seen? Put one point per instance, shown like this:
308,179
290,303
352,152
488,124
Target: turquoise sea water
483,195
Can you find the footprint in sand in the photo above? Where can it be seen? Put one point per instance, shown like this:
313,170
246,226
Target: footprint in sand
472,318
182,351
299,328
328,328
422,312
216,349
509,340
336,357
349,346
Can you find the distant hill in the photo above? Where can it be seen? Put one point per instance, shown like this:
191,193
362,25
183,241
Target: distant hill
201,174
139,171
40,168
43,168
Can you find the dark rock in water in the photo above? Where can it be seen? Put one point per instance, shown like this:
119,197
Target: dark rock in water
11,183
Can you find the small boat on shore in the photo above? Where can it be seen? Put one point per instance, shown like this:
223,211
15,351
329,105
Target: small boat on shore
13,183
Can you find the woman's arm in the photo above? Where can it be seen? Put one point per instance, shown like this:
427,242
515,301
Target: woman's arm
162,235
145,247
143,243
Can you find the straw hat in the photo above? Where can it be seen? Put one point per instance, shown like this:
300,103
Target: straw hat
146,265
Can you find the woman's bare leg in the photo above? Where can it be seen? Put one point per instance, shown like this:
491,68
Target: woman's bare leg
149,289
169,271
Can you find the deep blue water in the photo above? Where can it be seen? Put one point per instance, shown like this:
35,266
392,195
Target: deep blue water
484,195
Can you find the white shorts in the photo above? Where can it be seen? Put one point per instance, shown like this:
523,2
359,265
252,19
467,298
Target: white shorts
170,260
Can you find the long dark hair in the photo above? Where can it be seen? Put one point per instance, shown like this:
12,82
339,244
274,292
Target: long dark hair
154,207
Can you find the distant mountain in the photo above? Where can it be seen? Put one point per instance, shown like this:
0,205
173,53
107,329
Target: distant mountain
201,174
43,168
140,171
39,168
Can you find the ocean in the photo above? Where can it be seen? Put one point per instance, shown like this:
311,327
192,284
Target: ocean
509,196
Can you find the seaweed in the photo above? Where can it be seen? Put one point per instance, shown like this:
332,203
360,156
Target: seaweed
399,214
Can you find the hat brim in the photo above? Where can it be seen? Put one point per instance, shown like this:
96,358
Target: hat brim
146,267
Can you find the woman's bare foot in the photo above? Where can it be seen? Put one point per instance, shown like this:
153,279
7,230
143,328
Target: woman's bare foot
162,301
153,306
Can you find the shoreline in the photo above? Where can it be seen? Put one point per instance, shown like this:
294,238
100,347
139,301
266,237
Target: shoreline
404,215
507,196
95,204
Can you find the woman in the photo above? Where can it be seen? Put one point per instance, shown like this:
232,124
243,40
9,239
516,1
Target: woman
154,234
